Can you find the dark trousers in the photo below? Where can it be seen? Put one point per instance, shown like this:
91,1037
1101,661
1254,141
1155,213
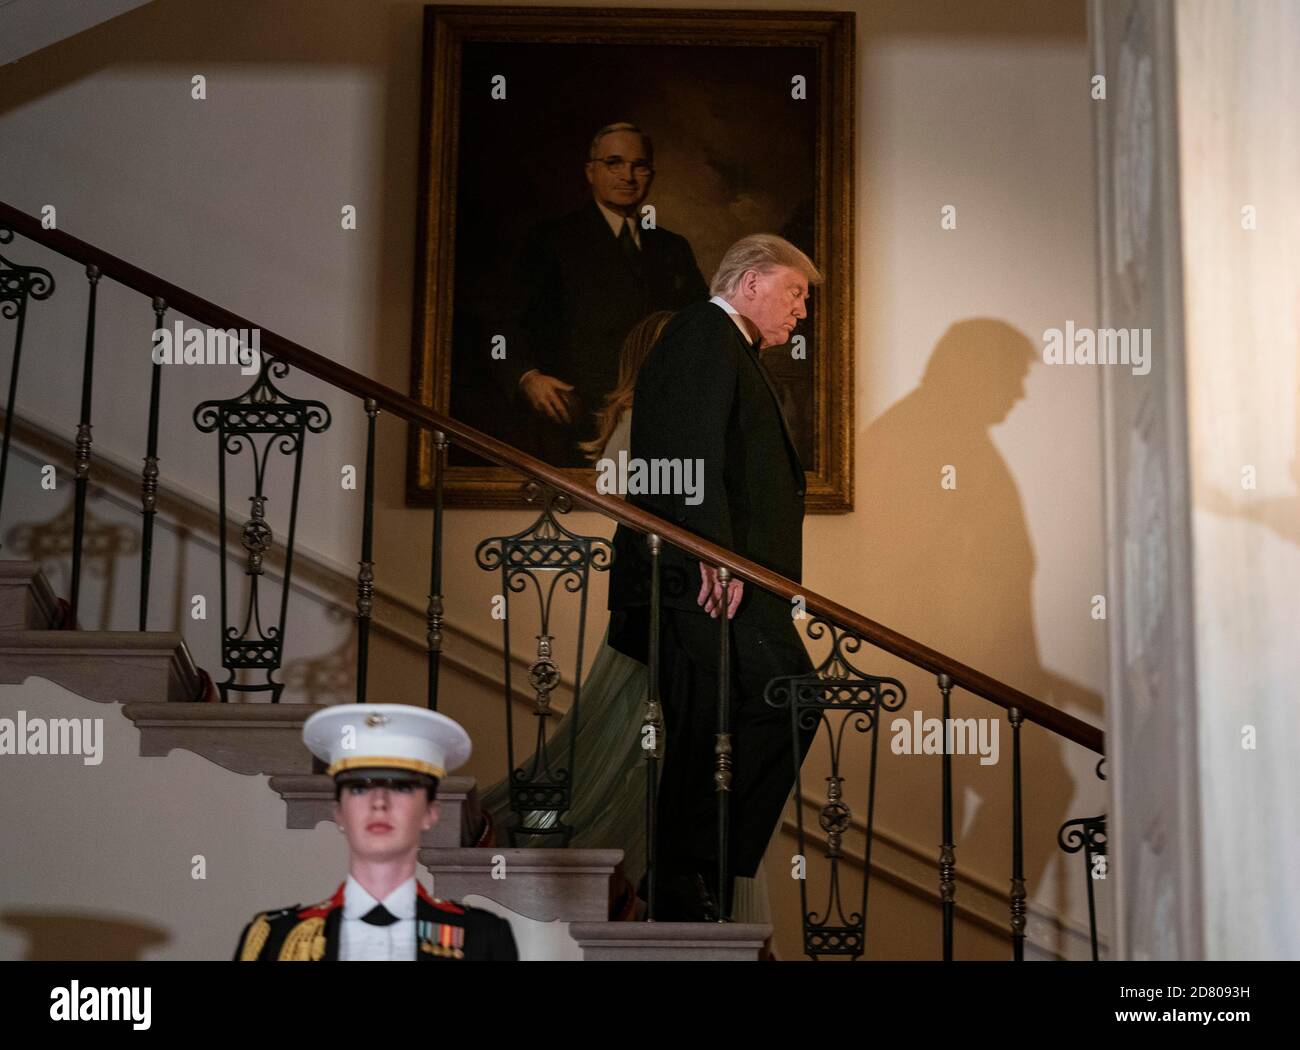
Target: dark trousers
762,741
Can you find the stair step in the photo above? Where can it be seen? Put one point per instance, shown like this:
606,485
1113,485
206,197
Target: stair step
670,941
244,738
310,800
571,885
26,601
106,666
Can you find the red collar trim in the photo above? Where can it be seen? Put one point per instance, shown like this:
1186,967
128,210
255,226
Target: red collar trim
323,908
436,902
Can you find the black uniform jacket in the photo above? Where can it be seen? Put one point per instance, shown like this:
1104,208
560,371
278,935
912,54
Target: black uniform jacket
445,932
704,395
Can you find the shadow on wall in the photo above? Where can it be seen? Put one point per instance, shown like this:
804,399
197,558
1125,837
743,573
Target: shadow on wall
956,570
104,546
111,555
330,677
69,936
111,566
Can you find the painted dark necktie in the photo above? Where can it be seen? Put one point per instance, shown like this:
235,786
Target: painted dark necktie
630,250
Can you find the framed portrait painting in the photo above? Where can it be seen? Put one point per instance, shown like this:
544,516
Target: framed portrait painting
584,170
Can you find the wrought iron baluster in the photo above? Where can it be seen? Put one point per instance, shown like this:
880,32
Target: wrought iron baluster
149,475
1018,894
366,573
1088,834
18,284
652,729
722,750
947,850
834,819
835,685
433,614
261,411
543,793
81,470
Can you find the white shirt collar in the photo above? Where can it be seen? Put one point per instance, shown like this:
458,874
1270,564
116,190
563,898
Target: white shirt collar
616,222
735,316
357,901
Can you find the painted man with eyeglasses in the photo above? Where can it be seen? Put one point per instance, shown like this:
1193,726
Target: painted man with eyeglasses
581,283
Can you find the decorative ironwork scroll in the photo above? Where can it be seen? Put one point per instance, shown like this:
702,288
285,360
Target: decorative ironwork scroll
1089,835
18,284
263,411
835,685
543,557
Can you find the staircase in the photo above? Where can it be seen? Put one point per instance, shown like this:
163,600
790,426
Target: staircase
27,26
105,666
558,900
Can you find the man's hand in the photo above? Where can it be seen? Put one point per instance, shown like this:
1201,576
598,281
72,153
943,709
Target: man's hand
548,395
711,592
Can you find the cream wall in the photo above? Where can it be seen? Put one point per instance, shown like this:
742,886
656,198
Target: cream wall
1240,146
314,105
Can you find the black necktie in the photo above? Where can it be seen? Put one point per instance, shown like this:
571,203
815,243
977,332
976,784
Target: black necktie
379,916
630,250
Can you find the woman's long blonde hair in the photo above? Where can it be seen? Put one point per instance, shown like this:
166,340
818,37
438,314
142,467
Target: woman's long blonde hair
636,347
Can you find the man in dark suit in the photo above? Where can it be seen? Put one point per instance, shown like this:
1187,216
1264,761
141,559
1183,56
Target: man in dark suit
581,283
703,395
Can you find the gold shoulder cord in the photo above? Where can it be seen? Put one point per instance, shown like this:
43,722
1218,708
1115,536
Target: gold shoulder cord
305,943
257,934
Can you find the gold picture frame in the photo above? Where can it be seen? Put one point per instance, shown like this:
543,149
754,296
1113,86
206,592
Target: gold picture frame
810,55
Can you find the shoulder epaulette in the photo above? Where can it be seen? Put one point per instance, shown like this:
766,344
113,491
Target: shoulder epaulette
254,939
438,902
259,930
323,908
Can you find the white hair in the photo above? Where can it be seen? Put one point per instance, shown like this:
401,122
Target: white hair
622,125
763,252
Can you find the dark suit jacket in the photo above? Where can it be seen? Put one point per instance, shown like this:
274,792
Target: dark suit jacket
576,296
703,394
311,934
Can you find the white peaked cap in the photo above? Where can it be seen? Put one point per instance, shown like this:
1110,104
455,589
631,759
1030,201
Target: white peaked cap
386,736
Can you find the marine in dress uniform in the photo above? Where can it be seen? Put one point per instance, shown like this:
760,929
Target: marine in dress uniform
389,758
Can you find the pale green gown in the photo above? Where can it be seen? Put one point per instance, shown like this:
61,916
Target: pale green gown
609,791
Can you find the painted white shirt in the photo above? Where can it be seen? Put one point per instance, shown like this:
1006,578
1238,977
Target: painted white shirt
616,220
363,941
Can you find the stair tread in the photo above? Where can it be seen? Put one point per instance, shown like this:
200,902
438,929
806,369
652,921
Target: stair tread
23,584
79,640
236,714
105,666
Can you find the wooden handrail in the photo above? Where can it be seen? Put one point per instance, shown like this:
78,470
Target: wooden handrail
498,452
